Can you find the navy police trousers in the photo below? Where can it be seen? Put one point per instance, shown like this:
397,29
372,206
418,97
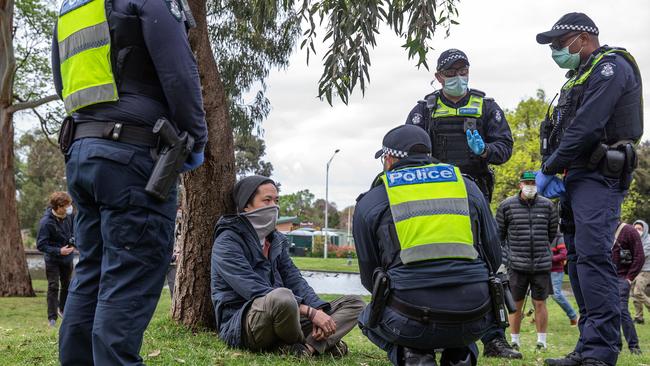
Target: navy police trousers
125,240
590,214
395,331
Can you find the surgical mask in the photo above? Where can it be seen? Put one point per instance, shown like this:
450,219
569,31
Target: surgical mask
456,86
263,220
565,59
68,210
529,191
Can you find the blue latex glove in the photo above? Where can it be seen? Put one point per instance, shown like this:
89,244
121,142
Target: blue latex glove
193,161
555,188
549,186
542,181
475,142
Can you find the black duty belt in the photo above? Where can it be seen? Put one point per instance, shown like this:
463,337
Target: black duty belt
117,131
428,315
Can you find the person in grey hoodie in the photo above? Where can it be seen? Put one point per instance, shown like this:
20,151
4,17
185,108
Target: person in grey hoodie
639,295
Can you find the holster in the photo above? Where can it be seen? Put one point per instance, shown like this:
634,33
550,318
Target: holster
380,294
66,134
617,162
508,300
498,301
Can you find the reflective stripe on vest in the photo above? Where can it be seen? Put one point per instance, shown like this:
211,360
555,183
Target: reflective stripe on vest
579,79
85,54
473,108
431,213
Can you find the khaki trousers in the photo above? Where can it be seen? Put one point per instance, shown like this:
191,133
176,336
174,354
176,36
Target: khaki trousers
274,319
639,297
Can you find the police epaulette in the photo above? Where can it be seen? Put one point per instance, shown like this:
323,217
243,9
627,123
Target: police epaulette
477,93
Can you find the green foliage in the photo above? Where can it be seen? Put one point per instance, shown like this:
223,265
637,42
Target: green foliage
297,204
33,23
248,152
41,172
637,203
524,122
351,27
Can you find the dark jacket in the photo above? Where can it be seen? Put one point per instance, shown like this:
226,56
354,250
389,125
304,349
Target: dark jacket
165,38
240,273
559,251
377,246
529,226
498,138
53,234
628,239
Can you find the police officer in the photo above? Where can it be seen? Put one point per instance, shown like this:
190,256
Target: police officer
466,128
119,66
425,238
470,131
590,137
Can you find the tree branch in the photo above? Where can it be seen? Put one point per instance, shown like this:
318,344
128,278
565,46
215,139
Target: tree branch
33,104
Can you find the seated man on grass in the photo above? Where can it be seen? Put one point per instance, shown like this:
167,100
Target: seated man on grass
261,300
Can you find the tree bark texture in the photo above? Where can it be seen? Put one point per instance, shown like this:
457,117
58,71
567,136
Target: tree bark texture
207,190
14,274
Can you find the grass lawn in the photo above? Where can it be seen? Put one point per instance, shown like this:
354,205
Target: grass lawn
329,264
25,339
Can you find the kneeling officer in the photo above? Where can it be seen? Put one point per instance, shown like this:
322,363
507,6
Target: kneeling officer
426,242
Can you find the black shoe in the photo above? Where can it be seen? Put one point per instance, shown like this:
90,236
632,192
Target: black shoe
338,350
639,321
636,351
572,359
499,347
593,362
515,346
297,350
413,357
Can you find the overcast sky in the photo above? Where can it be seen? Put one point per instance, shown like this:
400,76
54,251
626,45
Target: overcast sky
498,37
302,132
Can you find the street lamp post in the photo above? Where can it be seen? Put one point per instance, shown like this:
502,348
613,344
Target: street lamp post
327,181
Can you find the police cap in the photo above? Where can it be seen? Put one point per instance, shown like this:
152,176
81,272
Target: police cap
404,141
450,56
571,22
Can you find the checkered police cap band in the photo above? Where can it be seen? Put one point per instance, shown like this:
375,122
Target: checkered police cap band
573,27
395,153
456,56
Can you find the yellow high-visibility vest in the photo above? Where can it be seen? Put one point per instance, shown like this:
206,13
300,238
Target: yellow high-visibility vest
430,210
85,54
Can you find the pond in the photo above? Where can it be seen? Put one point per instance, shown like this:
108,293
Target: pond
322,282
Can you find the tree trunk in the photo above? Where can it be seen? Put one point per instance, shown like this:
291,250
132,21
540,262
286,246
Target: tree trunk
14,274
207,189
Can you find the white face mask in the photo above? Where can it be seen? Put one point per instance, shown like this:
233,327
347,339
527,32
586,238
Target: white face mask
263,220
68,210
529,191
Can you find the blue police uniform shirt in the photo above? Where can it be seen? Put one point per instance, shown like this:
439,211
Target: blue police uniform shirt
498,137
611,79
165,37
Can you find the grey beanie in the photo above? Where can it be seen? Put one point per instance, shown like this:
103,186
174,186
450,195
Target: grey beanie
245,188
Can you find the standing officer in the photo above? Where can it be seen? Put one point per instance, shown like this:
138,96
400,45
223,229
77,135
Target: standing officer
466,129
590,137
119,66
425,238
469,131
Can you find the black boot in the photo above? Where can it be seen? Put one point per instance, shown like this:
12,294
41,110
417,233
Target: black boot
414,357
572,359
593,362
499,347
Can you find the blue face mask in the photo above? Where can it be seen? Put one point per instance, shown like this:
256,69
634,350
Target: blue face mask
565,59
456,86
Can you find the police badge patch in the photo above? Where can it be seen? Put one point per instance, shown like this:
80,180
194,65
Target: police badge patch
497,116
417,118
607,70
175,9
